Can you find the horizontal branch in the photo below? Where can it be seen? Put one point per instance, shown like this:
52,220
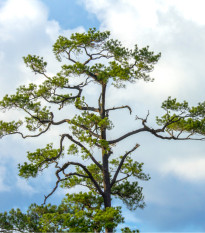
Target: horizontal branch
32,136
172,137
156,132
64,99
87,108
74,174
115,108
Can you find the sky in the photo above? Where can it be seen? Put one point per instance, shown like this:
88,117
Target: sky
175,195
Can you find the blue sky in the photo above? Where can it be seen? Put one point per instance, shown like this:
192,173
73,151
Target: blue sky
71,14
175,194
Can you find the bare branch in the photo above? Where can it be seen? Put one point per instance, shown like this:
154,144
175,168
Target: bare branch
123,178
157,131
66,165
127,135
144,120
115,108
57,182
88,108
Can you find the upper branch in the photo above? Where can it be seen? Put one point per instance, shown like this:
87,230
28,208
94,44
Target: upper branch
115,108
87,108
96,56
173,137
166,127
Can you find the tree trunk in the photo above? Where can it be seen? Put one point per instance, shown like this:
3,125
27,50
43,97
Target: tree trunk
105,157
107,189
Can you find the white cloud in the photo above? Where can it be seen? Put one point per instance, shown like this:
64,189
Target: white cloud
190,169
25,29
191,10
25,187
22,11
168,27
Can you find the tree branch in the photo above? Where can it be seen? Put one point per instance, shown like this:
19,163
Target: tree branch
155,132
74,174
69,57
32,136
121,163
123,178
126,106
84,148
76,164
88,108
127,135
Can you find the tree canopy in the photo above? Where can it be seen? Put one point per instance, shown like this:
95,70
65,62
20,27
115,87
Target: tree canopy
80,212
92,58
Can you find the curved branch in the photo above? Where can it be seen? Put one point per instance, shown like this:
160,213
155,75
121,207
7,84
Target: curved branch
60,152
157,131
32,136
54,189
127,135
84,148
59,179
90,176
76,164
